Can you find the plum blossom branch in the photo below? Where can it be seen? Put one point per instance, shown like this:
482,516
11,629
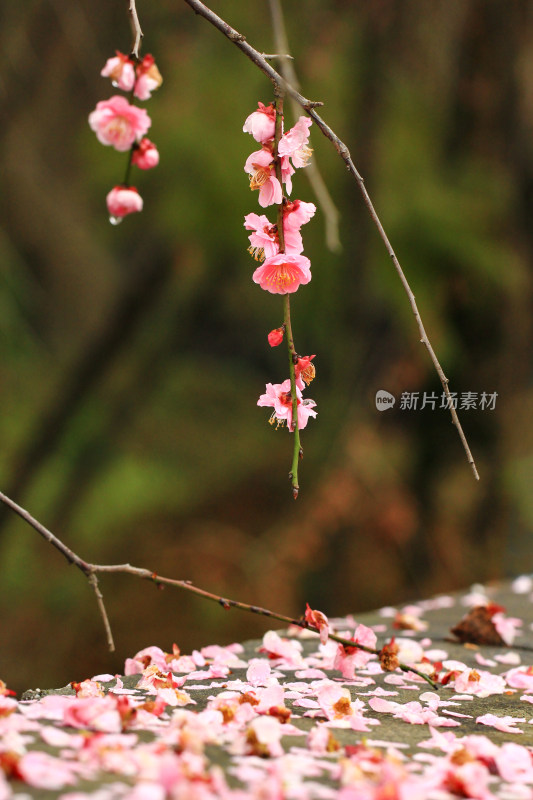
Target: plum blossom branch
310,107
136,30
90,571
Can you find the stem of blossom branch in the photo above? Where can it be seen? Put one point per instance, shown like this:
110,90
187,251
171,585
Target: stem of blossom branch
90,571
136,30
309,106
293,474
327,206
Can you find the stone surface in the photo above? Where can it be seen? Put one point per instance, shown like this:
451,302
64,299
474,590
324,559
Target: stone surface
299,769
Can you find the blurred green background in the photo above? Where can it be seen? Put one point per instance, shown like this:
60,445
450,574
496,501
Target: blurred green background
133,357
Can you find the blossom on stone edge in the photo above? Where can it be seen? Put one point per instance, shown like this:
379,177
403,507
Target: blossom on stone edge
283,274
278,397
348,659
121,70
119,124
318,620
260,167
145,155
148,78
123,200
261,123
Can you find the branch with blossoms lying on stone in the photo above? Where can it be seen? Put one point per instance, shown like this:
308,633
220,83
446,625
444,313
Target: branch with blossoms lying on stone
279,247
123,125
353,653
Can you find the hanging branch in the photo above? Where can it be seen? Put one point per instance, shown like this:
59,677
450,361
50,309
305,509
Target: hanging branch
293,357
136,30
91,570
310,106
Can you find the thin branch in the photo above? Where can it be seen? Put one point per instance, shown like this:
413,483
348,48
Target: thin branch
90,571
93,580
325,201
310,107
136,30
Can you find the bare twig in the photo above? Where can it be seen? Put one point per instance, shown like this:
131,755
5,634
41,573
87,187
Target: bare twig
310,107
318,185
136,30
93,580
90,571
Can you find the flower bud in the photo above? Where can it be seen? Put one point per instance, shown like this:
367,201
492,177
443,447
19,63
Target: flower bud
145,155
275,337
123,200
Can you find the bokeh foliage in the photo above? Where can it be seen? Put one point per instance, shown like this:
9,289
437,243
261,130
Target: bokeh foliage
133,356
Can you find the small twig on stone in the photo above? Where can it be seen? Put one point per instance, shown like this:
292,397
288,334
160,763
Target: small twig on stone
136,30
280,84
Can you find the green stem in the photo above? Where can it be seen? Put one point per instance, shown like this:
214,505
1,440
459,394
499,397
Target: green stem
128,167
297,450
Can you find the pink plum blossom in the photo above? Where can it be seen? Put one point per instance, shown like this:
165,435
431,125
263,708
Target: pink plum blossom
283,274
146,155
123,200
506,724
507,627
121,70
259,165
261,123
479,682
44,771
297,213
264,240
148,78
294,143
514,763
348,659
318,620
119,124
286,651
520,678
278,396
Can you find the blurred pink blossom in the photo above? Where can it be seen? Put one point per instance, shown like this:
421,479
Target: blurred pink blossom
119,124
121,70
122,201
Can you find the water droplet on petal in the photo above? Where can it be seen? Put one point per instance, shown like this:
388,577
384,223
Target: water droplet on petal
115,220
115,84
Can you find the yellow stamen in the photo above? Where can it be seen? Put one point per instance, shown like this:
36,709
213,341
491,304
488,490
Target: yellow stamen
257,252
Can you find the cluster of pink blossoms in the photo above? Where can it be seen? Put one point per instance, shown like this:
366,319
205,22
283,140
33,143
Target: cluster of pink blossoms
123,125
280,272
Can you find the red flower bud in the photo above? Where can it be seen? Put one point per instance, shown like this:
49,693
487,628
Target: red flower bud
275,337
